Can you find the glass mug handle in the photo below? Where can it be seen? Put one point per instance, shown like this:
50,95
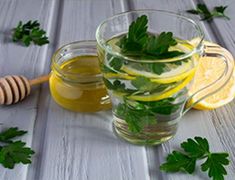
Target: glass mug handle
227,58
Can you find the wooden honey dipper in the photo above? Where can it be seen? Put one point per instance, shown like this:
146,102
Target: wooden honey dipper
15,88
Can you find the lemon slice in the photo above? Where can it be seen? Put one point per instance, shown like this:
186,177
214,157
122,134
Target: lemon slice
175,78
209,69
132,73
118,76
159,96
165,78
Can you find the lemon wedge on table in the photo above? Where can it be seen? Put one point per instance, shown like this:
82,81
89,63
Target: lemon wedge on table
209,69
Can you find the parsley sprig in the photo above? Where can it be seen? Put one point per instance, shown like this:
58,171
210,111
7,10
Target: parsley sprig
139,115
29,32
138,42
13,152
197,149
141,45
204,12
136,117
134,41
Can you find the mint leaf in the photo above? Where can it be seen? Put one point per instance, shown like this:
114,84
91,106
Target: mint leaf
215,165
196,148
177,161
10,133
16,152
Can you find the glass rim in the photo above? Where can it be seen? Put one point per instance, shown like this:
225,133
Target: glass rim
104,45
55,66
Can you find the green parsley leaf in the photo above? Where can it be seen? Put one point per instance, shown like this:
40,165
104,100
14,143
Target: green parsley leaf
26,40
29,32
196,148
11,152
117,86
157,47
164,106
138,42
106,69
177,161
144,84
116,63
123,112
202,10
219,12
139,114
215,165
10,133
157,68
137,36
136,118
160,45
16,152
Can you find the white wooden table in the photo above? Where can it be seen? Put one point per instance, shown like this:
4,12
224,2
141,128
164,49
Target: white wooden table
76,146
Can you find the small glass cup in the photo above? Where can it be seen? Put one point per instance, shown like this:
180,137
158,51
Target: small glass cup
76,81
149,95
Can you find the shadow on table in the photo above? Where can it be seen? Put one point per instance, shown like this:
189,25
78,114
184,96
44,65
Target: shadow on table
6,36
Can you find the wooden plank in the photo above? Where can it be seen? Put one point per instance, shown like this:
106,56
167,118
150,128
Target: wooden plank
83,146
217,126
223,29
28,61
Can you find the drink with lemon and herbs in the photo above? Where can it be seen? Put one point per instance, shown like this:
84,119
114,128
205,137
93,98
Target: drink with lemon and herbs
147,78
148,59
148,96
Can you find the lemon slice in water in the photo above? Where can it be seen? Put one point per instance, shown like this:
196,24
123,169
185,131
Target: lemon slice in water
165,78
158,96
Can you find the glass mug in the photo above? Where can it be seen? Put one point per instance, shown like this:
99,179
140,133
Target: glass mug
150,96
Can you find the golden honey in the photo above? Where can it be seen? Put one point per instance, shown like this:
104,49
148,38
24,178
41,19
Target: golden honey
76,84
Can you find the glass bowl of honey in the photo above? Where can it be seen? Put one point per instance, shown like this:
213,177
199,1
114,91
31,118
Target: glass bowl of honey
76,81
